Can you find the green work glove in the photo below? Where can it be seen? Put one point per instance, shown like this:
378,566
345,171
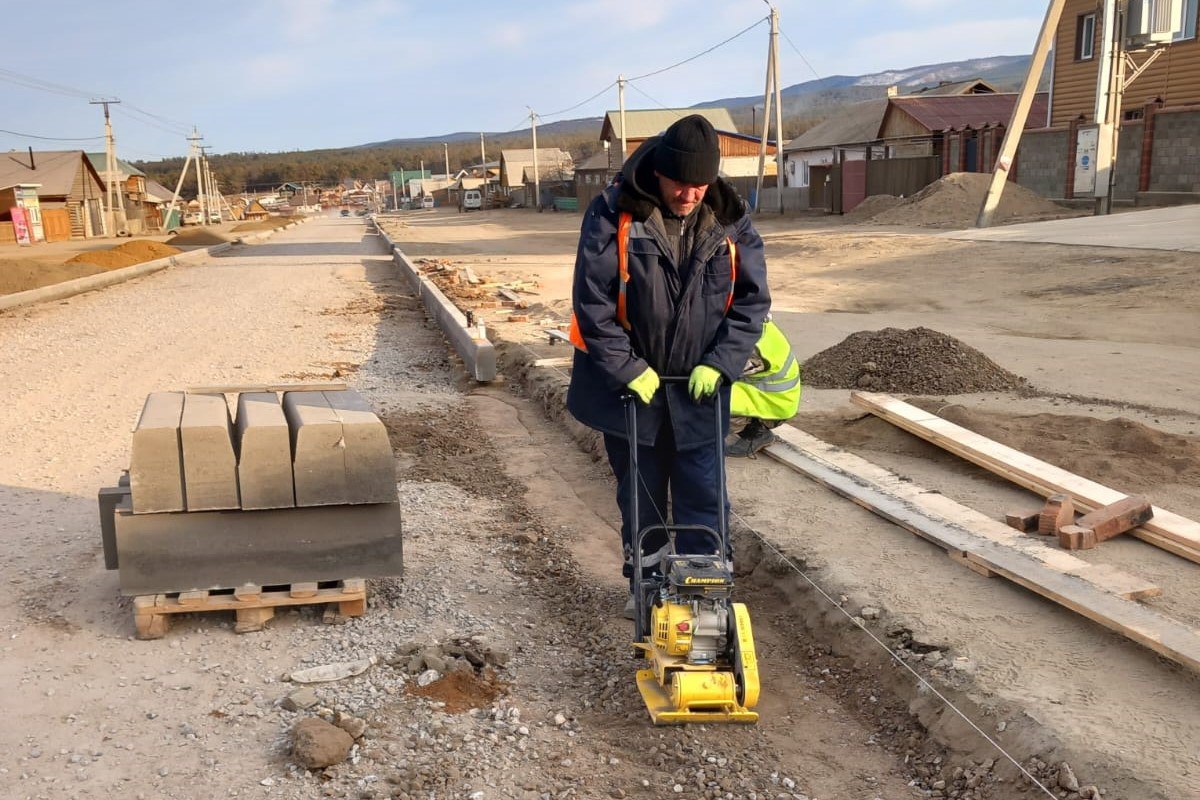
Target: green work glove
645,385
703,382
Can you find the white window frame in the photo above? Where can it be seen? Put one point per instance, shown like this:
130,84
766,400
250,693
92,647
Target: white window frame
1190,9
1087,44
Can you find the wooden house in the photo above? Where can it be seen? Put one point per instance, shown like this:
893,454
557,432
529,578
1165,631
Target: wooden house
70,192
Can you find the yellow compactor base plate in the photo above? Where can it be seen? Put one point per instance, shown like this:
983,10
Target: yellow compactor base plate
663,710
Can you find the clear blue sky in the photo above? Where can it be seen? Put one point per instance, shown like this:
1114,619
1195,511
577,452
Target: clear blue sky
272,75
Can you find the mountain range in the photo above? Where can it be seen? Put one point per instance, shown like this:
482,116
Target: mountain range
813,99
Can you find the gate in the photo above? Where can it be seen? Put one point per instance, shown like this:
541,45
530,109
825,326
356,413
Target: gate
56,224
902,177
854,185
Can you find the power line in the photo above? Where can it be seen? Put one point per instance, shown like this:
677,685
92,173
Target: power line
580,103
52,138
153,124
31,82
802,58
740,33
663,105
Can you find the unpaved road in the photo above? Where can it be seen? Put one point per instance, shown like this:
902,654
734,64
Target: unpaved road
1108,339
509,542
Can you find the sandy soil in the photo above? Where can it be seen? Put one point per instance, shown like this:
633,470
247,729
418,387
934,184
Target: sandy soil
508,541
1100,334
45,264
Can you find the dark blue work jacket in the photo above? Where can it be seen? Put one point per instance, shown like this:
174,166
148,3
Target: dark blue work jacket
676,313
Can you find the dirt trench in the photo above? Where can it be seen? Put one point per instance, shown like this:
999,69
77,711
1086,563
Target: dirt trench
820,669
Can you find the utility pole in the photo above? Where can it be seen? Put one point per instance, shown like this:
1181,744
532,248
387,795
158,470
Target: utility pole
205,196
111,223
621,106
422,173
483,165
1109,89
537,186
193,152
778,106
446,153
1016,125
767,98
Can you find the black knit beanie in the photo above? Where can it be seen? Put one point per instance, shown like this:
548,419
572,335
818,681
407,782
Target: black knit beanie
689,152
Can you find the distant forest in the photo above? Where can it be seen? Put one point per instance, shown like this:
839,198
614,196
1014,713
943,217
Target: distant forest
249,172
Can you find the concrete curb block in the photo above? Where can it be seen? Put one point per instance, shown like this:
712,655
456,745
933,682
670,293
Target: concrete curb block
475,350
90,283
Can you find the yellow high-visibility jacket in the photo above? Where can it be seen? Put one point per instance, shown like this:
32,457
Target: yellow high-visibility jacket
774,391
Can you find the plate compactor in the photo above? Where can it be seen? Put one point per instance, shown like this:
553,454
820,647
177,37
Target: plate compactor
698,642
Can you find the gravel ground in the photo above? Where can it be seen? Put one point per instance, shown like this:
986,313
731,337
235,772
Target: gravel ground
496,668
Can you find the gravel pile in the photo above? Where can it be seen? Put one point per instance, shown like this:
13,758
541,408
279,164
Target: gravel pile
914,361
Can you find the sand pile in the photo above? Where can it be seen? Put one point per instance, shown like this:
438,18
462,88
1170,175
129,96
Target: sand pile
262,224
875,204
199,237
915,361
954,202
132,252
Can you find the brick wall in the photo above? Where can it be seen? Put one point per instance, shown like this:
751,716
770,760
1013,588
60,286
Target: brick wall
1175,162
1042,162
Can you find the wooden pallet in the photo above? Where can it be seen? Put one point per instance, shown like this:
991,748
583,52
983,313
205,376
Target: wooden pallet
254,605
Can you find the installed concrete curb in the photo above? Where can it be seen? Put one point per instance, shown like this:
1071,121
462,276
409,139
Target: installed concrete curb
89,283
468,341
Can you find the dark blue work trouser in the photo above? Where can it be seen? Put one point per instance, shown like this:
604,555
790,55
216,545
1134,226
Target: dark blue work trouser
688,477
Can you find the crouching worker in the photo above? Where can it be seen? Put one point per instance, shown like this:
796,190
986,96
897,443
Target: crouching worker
669,280
767,394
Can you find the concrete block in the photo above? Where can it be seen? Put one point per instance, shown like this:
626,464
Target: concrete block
318,449
370,465
264,452
209,465
156,457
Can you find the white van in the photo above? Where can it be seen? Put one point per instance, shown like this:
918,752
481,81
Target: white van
472,200
427,201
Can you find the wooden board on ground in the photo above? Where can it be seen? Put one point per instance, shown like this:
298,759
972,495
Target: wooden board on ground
1095,594
252,604
1171,532
975,533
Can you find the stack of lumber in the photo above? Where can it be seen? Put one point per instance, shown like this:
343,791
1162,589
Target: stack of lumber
1099,592
1166,530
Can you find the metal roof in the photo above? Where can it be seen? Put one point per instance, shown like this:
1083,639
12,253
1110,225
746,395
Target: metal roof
157,193
595,161
55,170
951,113
124,168
514,162
644,123
972,86
857,123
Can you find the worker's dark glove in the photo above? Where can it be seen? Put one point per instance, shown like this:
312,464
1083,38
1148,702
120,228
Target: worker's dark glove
703,382
645,385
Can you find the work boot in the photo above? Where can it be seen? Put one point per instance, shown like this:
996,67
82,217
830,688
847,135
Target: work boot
628,613
750,441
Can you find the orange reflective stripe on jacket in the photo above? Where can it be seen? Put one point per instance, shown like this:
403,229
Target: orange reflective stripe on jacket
624,223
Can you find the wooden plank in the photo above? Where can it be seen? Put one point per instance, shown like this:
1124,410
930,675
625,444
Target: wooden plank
1168,531
165,604
197,598
977,529
1025,522
915,510
306,589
